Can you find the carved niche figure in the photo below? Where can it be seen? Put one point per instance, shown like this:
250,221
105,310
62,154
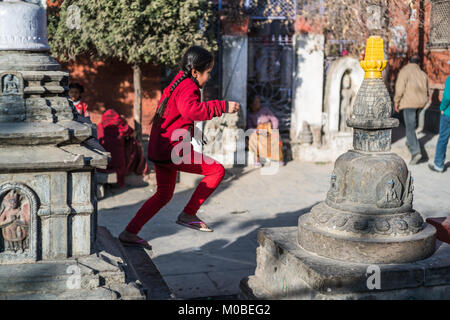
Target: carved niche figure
391,195
15,221
388,191
335,192
10,84
347,99
374,17
409,190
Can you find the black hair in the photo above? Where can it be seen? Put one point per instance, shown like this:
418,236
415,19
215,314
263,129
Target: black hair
196,58
414,59
251,96
76,85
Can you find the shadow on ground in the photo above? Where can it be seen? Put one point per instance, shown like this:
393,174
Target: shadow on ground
217,267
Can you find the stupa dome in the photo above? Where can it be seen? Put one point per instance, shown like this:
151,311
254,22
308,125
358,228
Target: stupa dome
23,25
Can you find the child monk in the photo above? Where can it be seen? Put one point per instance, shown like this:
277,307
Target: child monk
260,141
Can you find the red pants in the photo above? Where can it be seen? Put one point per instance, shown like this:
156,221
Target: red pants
166,177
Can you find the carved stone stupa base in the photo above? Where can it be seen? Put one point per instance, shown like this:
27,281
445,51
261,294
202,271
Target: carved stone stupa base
287,271
48,158
365,241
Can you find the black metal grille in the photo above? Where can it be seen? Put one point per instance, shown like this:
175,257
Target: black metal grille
271,61
440,23
272,9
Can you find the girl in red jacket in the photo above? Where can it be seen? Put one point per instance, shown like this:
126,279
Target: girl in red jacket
173,125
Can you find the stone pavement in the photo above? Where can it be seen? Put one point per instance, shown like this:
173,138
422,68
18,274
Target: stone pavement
199,265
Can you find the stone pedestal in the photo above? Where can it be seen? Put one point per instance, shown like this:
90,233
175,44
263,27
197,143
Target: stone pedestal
366,224
48,157
287,271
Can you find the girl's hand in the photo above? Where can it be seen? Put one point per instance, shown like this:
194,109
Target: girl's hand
233,106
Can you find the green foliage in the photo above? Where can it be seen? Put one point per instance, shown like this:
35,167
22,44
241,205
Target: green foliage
134,31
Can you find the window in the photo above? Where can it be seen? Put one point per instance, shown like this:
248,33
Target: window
271,9
440,24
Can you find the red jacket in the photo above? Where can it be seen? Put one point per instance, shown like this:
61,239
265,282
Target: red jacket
183,108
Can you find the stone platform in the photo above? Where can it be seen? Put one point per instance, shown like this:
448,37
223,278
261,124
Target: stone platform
286,271
113,272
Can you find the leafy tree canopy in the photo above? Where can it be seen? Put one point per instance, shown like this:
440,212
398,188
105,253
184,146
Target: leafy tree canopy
134,31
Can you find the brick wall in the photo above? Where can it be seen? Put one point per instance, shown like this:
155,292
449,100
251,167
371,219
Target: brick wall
109,84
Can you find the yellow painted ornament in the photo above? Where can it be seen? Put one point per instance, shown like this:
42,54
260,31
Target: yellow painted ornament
374,61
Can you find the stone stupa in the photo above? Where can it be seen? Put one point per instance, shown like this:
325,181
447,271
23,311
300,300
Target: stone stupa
365,241
49,244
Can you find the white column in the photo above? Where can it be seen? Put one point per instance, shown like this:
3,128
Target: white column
308,82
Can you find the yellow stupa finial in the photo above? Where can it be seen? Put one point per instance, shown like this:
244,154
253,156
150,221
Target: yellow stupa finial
374,62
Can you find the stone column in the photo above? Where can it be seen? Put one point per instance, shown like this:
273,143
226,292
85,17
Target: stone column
308,82
307,103
49,247
47,157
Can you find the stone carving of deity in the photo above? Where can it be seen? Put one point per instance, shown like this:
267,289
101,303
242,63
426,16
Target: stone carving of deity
10,84
389,197
374,17
334,193
347,99
14,221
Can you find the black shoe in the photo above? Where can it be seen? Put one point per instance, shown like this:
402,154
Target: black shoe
416,158
434,168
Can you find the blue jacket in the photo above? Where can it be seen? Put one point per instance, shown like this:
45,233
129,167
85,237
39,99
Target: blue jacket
445,103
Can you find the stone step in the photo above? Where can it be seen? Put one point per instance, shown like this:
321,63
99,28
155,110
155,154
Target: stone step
114,292
47,277
109,249
147,273
136,262
112,272
252,289
82,294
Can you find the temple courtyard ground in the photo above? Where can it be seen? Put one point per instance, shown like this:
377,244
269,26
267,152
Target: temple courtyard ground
200,264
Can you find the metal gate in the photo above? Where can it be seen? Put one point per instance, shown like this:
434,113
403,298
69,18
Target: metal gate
271,57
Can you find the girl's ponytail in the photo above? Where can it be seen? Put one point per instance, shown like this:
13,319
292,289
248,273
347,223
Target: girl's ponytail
160,111
195,58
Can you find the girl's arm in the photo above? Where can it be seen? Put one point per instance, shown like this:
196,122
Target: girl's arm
189,106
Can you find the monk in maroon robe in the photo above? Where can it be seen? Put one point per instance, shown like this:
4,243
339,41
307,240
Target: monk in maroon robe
118,138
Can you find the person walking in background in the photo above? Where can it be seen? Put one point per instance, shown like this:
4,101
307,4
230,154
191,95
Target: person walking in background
264,122
444,131
411,95
178,108
75,92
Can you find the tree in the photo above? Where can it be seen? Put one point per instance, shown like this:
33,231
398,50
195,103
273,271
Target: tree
133,31
352,19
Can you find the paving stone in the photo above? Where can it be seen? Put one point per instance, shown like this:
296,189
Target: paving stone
191,285
284,197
